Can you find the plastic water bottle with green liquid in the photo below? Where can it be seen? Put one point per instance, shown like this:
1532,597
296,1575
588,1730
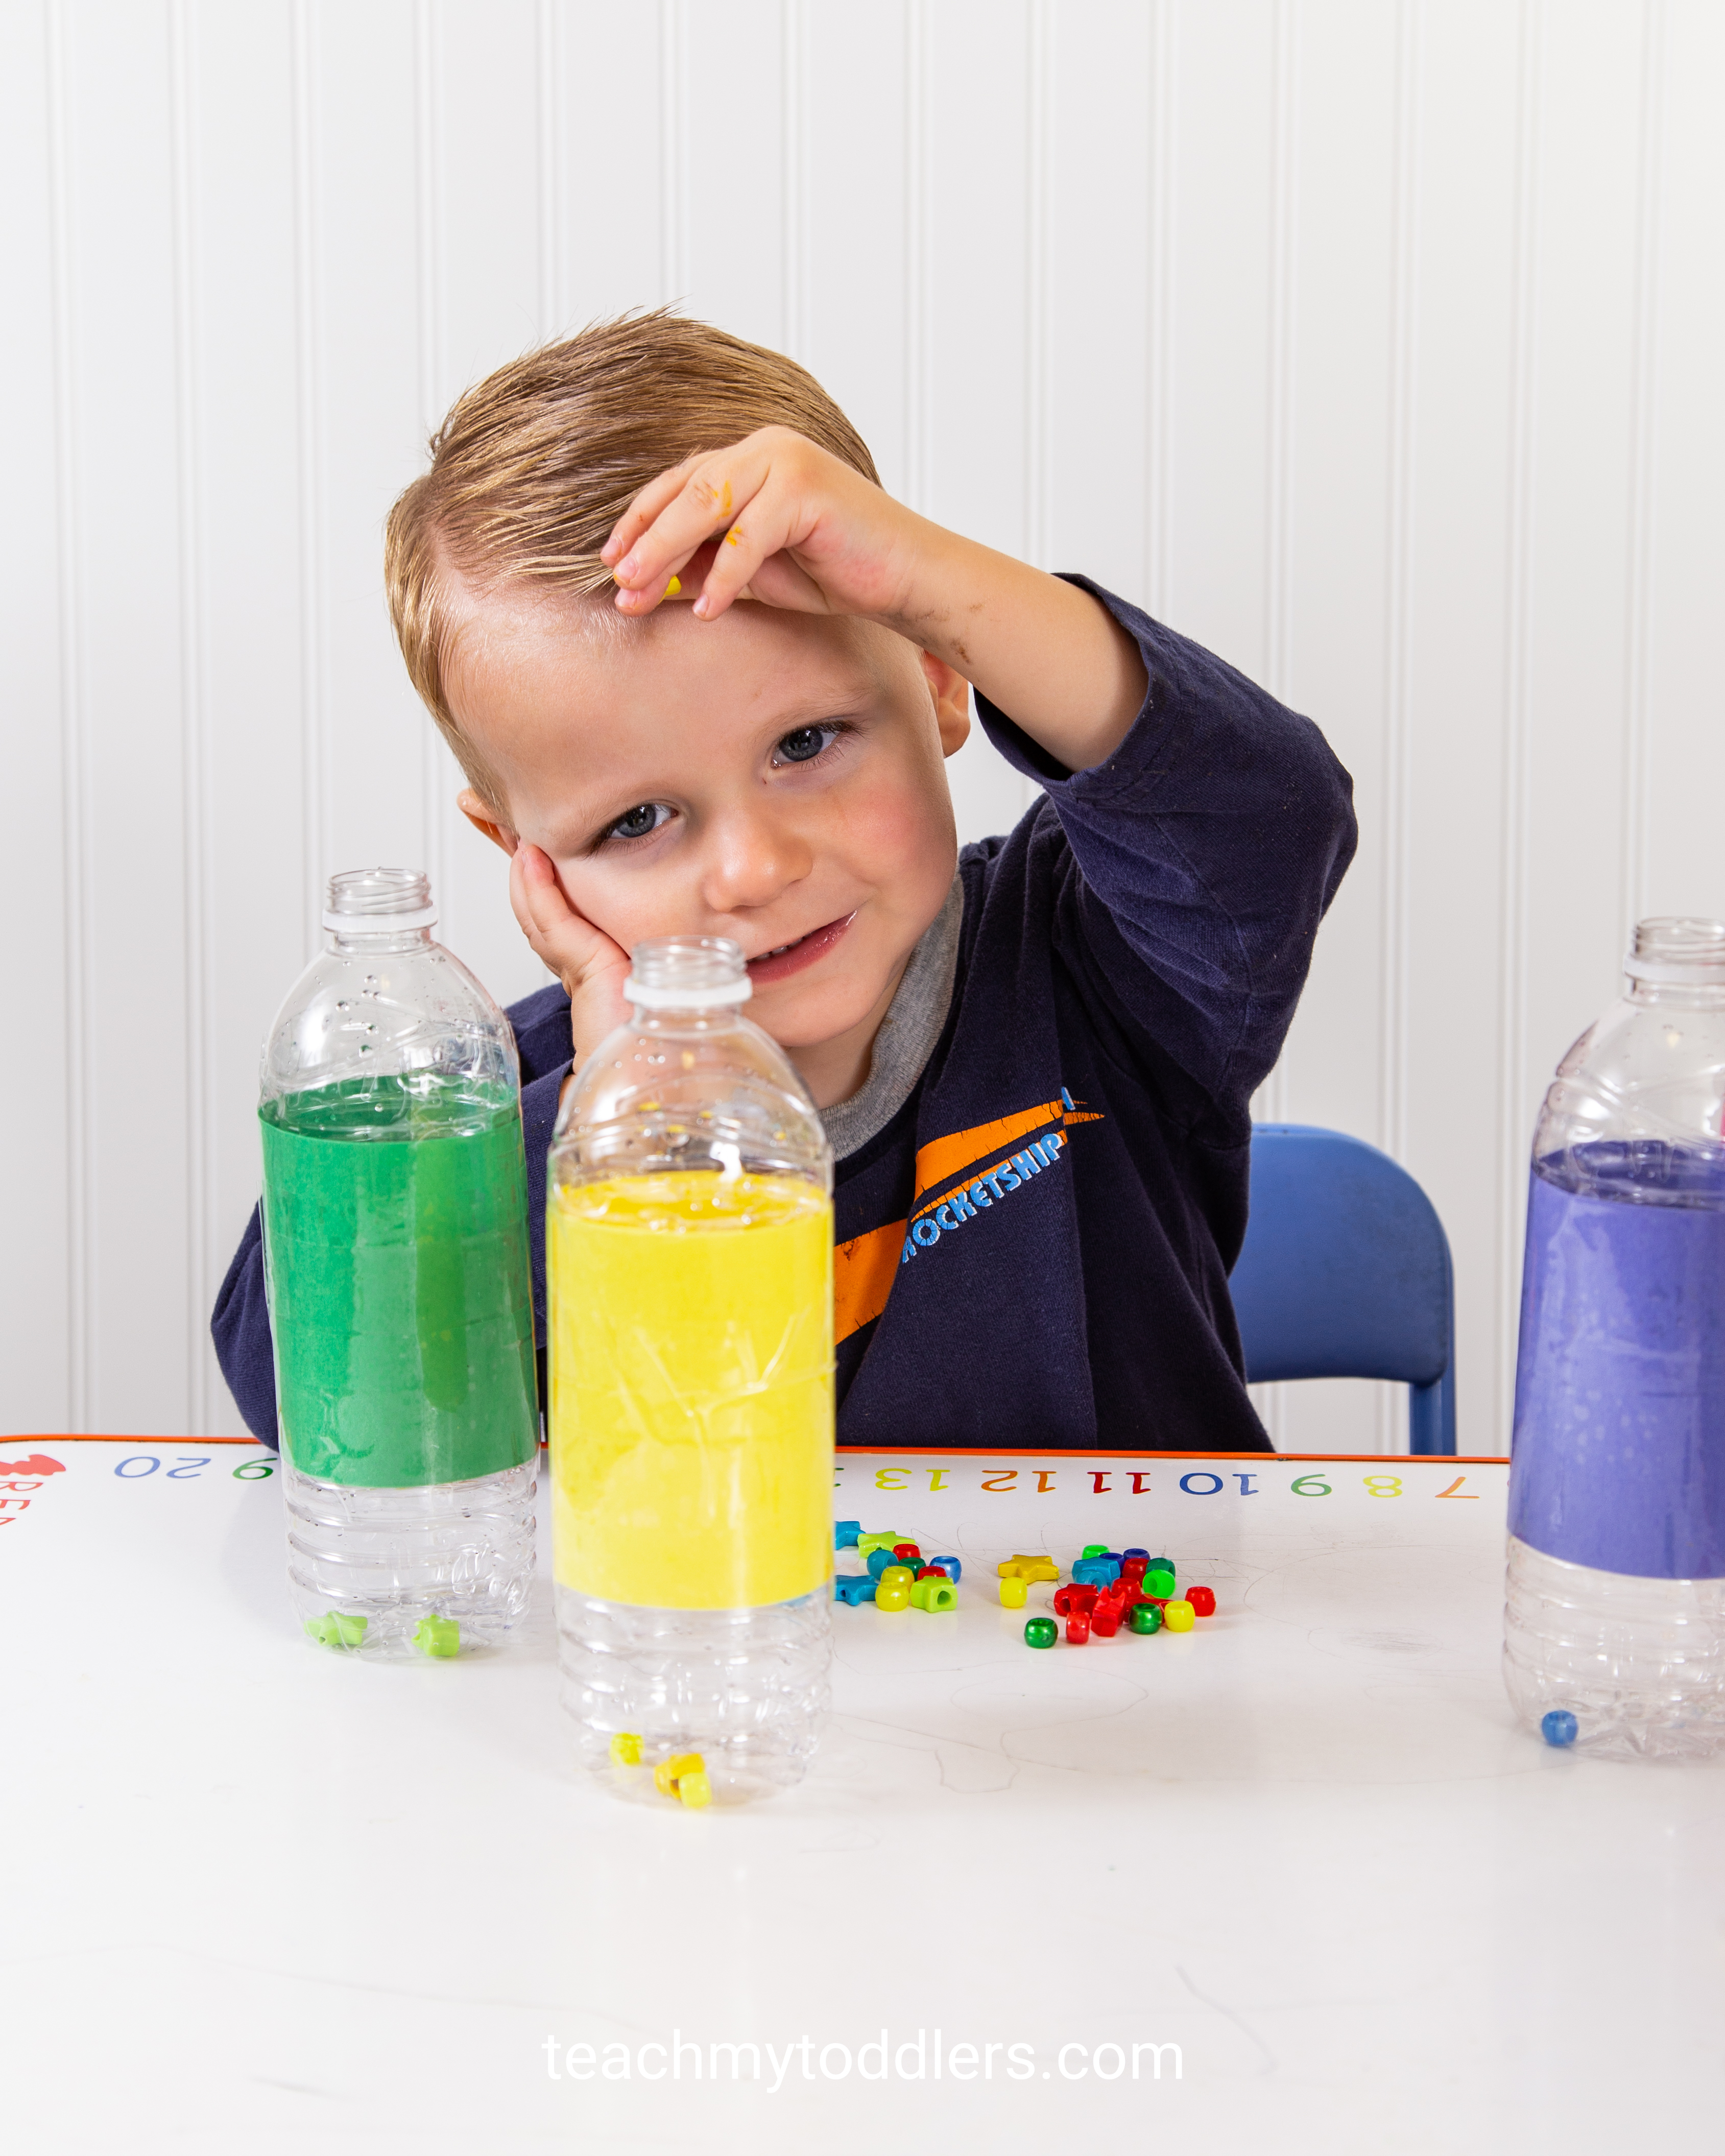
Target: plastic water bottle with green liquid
396,1259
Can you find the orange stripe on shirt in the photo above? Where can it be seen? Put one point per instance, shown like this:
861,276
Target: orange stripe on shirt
863,1269
943,1156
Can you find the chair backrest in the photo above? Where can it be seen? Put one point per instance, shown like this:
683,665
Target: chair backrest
1346,1273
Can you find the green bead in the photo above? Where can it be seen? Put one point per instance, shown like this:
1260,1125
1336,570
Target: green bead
1145,1617
1160,1584
1041,1632
1092,1549
438,1635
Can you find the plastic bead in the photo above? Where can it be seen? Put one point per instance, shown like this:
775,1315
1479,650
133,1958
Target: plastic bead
1078,1596
1097,1571
1127,1592
879,1559
907,1553
897,1596
669,1773
951,1566
1146,1617
336,1629
1029,1567
867,1543
1094,1549
1013,1592
1202,1600
934,1591
929,1571
895,1575
1133,1568
1041,1632
1159,1581
440,1636
1160,1564
662,1778
695,1790
1104,1620
1178,1616
1130,1556
1558,1727
846,1534
853,1588
1077,1628
625,1749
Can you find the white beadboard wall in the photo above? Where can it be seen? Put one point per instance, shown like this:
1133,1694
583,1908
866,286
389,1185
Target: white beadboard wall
1376,343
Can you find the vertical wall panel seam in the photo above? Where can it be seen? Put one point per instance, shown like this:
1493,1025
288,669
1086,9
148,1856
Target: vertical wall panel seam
673,121
427,180
550,161
1400,586
80,1314
1511,1101
1158,479
794,180
1638,642
194,735
1279,445
1039,91
313,762
917,339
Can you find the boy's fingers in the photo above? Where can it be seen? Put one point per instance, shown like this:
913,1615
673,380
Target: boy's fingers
645,506
710,500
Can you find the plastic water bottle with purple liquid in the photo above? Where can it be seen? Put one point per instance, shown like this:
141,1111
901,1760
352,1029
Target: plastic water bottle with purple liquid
1616,1611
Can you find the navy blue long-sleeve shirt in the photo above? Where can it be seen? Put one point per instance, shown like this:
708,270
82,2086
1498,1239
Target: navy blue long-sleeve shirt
1035,1251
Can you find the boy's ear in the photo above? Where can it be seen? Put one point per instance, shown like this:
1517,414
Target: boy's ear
482,817
952,702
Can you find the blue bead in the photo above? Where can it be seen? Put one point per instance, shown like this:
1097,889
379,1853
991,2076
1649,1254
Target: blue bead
853,1587
1096,1571
949,1565
1558,1727
878,1562
846,1534
1145,1554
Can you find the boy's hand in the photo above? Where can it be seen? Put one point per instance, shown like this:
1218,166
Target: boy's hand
795,527
590,966
777,519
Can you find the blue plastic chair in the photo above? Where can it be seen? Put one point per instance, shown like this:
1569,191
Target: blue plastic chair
1346,1274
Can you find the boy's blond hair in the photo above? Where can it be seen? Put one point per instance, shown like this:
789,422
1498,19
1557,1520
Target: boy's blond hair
533,466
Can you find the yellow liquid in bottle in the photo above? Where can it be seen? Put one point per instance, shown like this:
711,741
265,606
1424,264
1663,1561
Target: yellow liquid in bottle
691,1389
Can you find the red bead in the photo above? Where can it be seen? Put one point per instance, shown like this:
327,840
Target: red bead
1129,1596
1105,1621
908,1553
1133,1568
1077,1598
1202,1600
1077,1628
930,1572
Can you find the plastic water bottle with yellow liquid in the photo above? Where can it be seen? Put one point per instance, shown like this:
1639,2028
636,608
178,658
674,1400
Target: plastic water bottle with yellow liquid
397,1264
689,1238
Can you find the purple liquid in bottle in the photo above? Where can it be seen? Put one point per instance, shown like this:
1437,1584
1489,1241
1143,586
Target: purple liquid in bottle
1619,1455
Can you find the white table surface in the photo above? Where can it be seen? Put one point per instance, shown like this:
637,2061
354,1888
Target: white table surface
259,1897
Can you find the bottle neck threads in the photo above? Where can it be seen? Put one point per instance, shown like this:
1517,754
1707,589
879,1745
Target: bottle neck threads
378,909
1677,952
701,976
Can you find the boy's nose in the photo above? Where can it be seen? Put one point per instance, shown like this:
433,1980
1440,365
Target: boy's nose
752,860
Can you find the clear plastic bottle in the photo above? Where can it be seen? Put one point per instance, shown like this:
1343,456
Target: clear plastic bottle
690,1250
396,1256
1615,1608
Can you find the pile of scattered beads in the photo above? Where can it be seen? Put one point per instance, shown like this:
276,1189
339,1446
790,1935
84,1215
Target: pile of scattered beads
1109,1591
683,1775
898,1576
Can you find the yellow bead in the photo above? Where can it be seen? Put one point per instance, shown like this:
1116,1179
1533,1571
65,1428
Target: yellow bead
895,1596
625,1749
1179,1616
671,589
695,1790
897,1575
662,1778
1013,1592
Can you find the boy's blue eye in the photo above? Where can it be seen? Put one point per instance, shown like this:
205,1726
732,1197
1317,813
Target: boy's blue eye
638,822
806,743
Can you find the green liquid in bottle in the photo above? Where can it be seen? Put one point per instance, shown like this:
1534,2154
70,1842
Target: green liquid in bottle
395,1236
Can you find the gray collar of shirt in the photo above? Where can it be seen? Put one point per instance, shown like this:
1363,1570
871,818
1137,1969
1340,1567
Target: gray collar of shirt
908,1032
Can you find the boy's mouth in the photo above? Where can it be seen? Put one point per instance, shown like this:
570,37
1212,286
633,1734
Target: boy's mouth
792,957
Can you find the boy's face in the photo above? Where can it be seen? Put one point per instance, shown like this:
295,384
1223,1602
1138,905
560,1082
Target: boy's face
772,777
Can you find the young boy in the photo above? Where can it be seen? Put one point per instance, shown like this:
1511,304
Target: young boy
702,673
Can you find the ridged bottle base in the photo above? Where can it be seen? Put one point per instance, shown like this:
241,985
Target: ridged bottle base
745,1688
461,1552
1639,1663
